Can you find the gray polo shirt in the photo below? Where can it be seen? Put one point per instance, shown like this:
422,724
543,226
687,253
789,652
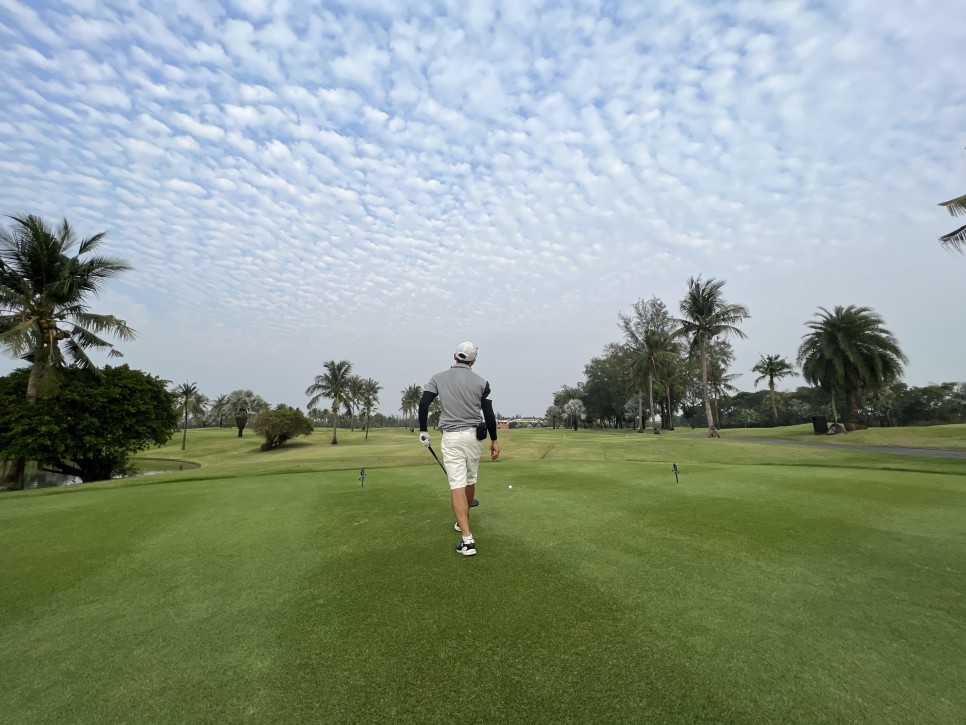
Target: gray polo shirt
461,393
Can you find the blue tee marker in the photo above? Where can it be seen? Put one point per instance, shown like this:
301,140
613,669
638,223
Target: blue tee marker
362,478
675,469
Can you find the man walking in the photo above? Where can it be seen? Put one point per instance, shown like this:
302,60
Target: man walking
463,395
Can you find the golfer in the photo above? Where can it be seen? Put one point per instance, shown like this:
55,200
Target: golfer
463,395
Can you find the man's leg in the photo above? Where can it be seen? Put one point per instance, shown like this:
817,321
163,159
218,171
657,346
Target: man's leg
454,458
461,510
472,469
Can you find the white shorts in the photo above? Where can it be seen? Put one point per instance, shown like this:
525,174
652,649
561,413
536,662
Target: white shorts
461,457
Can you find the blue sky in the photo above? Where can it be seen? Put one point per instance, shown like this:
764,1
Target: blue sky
379,180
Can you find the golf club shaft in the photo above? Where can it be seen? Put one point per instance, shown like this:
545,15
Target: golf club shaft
437,459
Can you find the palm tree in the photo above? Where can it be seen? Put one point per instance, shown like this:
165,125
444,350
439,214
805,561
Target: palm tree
772,368
45,318
369,399
219,409
333,384
955,239
553,414
189,400
820,372
353,399
705,316
411,395
44,285
656,352
436,412
577,411
719,385
849,350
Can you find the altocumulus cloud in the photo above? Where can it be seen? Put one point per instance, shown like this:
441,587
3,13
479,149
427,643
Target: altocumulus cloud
296,182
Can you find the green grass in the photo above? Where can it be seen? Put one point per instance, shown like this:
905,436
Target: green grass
949,437
772,584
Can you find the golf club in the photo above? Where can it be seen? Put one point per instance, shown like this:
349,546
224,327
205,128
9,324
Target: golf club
430,447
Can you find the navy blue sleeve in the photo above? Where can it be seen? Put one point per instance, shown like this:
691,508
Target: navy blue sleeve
424,409
486,404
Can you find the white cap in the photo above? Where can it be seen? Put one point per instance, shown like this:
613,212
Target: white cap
466,352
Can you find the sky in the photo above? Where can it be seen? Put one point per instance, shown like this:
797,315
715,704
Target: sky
379,180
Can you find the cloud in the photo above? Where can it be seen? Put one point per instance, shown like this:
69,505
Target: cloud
332,180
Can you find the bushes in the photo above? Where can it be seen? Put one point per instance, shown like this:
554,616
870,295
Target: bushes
280,424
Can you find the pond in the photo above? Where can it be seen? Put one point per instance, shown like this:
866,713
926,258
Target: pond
35,478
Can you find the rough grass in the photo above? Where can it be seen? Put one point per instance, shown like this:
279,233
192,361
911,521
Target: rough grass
771,584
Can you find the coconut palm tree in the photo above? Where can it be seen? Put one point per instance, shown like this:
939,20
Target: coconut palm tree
333,384
955,239
850,350
655,353
353,399
772,368
369,399
719,385
409,404
46,282
705,316
190,401
821,372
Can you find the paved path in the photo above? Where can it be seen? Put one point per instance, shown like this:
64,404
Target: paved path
932,452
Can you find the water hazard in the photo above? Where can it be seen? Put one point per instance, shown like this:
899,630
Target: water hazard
35,478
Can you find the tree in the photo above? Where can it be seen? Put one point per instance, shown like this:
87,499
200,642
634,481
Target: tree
651,334
653,359
189,400
772,368
244,398
435,412
706,315
849,350
369,399
553,414
720,357
957,238
745,416
576,410
281,424
91,426
333,384
409,403
45,286
220,410
353,399
605,389
566,393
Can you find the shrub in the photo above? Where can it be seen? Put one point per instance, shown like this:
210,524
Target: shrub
280,424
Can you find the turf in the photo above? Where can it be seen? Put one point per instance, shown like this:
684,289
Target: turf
771,584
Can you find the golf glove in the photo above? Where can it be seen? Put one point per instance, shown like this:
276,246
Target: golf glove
424,438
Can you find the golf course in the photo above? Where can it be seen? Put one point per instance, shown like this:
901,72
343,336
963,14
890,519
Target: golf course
797,581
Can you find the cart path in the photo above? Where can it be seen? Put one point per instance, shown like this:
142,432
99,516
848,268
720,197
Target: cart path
898,450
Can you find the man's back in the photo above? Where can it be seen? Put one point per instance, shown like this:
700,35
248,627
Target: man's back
461,393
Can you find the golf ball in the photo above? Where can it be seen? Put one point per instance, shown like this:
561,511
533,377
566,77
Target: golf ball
510,487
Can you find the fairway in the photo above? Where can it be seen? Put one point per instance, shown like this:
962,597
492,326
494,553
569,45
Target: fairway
770,584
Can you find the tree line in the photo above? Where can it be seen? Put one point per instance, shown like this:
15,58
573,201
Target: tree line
681,367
